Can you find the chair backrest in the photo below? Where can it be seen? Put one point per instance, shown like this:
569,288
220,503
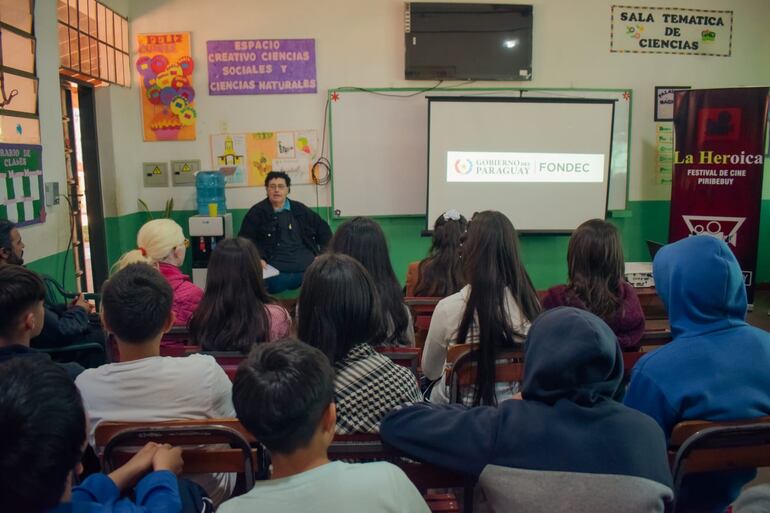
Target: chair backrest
363,447
461,367
228,360
211,445
179,335
405,356
704,446
421,309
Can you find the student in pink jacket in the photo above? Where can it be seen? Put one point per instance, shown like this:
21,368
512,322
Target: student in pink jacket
161,243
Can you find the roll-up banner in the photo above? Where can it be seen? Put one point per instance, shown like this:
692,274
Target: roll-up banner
718,164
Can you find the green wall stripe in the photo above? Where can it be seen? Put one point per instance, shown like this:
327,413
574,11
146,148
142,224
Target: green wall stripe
543,255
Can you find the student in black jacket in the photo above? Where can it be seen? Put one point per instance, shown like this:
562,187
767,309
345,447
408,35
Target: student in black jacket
566,446
64,324
287,234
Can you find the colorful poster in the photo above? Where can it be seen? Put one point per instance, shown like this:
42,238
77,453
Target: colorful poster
718,164
261,66
671,30
245,159
21,193
228,154
167,95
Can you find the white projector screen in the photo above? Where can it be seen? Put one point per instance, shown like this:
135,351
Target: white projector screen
544,163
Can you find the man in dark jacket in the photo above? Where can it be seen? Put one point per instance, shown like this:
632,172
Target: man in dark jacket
287,234
567,446
64,324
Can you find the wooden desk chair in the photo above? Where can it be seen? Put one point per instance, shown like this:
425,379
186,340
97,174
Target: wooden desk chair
421,309
368,447
701,446
461,368
228,360
408,357
215,445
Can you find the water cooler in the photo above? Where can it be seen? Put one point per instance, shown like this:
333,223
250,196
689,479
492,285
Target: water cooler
205,233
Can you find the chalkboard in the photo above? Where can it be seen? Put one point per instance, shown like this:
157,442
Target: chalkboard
379,145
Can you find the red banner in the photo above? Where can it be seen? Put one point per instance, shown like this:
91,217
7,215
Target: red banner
718,165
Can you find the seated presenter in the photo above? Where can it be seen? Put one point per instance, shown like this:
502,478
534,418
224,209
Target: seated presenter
287,234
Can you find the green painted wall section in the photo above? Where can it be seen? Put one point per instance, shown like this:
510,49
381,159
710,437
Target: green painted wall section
54,265
543,255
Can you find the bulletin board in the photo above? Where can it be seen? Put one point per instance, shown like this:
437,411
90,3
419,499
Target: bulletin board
379,146
21,189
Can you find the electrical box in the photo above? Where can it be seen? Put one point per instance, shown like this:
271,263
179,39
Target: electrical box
155,174
183,171
51,194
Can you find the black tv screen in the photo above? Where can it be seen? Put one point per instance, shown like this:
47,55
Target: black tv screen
468,41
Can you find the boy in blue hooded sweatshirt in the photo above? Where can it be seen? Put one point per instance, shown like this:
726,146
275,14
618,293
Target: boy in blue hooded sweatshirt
567,446
716,366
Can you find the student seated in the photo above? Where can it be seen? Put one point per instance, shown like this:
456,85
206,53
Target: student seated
162,244
63,324
136,310
716,366
363,239
494,310
568,445
236,312
284,395
596,282
440,273
43,430
21,316
339,313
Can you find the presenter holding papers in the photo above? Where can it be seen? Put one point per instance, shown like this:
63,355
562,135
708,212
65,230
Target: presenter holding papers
287,234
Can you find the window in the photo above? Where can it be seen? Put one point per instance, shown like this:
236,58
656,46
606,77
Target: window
18,83
93,43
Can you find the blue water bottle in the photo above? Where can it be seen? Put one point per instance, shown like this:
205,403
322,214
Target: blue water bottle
210,189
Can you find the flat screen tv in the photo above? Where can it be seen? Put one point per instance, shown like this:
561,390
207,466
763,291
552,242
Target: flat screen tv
468,41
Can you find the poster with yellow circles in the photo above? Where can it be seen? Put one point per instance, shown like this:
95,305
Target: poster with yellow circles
167,96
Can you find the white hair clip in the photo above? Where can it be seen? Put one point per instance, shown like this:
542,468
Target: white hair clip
452,215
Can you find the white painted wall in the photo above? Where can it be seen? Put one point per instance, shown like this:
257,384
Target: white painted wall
52,236
360,43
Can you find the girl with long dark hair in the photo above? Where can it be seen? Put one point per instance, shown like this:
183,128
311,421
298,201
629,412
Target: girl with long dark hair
494,310
439,274
339,313
596,282
364,240
236,312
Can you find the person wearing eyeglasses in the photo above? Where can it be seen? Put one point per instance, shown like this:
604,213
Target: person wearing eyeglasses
287,234
162,244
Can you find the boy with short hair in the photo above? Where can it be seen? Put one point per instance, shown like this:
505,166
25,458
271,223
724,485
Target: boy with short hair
136,310
22,315
44,432
284,396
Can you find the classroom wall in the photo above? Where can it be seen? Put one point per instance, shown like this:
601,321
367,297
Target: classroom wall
360,43
46,242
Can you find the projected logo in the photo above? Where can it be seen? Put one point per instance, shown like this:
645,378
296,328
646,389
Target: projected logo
723,228
463,166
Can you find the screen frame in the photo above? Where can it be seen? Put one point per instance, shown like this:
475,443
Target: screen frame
521,99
